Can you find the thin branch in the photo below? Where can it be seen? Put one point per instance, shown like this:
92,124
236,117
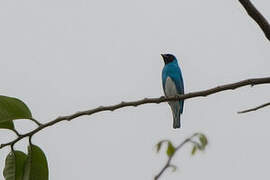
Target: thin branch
36,121
16,132
254,109
168,163
257,17
162,99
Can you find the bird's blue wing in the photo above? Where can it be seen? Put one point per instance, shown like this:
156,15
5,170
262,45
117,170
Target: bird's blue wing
178,80
175,74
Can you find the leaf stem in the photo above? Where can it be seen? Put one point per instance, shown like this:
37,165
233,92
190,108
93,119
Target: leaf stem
36,121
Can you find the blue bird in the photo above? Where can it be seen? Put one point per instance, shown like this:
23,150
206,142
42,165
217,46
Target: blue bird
172,82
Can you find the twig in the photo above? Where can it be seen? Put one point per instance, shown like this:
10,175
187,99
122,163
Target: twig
168,163
16,132
36,121
257,17
254,109
162,99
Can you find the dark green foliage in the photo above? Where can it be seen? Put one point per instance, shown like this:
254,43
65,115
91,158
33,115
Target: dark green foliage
11,109
14,166
36,166
20,166
7,125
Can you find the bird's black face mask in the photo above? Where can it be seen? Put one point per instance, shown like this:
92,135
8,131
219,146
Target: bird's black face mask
167,58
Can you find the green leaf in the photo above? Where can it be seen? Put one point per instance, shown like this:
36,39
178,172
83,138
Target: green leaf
36,166
170,149
203,140
14,165
7,125
11,109
159,146
194,150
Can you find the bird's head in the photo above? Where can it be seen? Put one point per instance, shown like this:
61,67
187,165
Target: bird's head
168,58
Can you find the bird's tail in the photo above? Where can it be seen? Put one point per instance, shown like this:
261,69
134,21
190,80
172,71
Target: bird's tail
175,107
176,120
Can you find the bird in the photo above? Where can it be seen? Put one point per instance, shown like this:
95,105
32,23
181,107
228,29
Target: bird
173,84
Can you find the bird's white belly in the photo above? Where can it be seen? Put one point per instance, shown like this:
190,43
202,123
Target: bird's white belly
170,88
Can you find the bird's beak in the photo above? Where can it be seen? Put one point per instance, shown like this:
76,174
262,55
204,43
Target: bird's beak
162,55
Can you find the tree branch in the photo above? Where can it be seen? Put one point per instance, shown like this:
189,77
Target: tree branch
255,109
257,17
168,163
162,99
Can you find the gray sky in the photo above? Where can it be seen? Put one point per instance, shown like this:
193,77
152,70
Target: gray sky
62,56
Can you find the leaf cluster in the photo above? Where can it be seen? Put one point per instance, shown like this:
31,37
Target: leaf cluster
200,145
18,165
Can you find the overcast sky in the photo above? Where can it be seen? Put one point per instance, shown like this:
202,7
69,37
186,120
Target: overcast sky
62,56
